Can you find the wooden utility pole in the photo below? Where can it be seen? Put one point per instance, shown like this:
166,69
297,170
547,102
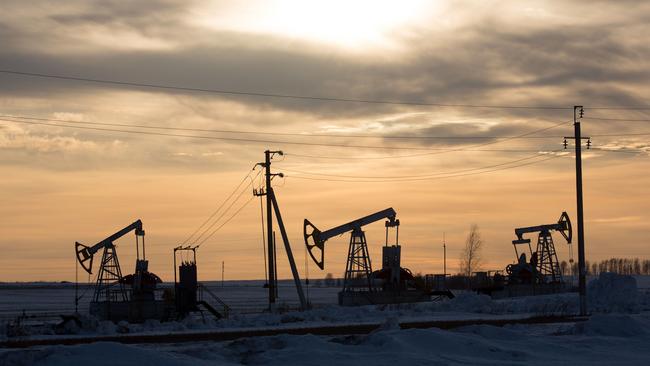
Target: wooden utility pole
578,112
273,208
269,232
444,256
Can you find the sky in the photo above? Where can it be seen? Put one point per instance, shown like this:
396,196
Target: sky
441,157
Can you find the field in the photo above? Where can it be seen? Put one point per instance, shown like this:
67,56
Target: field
617,332
241,296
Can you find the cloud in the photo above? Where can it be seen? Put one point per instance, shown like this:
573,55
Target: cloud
627,146
481,60
478,56
471,52
617,219
19,139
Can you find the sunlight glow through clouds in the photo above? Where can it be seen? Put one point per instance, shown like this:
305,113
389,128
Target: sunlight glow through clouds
349,24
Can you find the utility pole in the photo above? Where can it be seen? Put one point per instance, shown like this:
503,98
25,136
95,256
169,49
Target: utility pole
76,285
223,270
578,112
275,265
444,256
269,233
271,208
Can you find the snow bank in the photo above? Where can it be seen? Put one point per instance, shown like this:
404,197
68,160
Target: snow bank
474,345
611,326
97,354
471,302
612,292
606,339
608,293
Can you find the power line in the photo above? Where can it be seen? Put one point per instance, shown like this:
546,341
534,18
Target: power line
630,107
420,175
524,136
307,97
430,178
157,127
227,221
466,148
252,140
620,134
435,152
617,119
276,95
627,151
224,212
219,208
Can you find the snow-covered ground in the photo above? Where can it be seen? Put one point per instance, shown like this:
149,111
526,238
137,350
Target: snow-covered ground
617,333
241,296
603,340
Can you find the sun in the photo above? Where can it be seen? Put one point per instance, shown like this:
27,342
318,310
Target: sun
350,24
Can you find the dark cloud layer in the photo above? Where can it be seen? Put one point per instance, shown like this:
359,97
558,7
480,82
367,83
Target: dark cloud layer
485,62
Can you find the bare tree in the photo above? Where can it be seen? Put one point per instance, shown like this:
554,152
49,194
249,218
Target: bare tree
563,267
470,258
329,280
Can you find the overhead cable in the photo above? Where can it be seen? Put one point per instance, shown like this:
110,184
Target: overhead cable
423,179
277,95
227,221
252,140
232,203
536,155
462,148
306,97
617,119
297,134
219,208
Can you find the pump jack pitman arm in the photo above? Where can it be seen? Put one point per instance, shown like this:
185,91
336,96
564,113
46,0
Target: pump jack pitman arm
85,254
320,237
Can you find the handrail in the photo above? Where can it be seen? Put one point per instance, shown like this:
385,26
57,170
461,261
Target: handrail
202,288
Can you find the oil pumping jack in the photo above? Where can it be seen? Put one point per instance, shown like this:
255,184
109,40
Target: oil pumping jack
544,266
358,268
110,284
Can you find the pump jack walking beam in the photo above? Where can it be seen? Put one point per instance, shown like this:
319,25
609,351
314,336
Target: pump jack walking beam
318,238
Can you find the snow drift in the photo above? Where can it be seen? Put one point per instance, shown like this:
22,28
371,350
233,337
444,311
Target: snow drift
613,293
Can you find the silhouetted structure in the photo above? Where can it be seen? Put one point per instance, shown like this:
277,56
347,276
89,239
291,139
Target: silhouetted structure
111,300
362,286
189,292
271,208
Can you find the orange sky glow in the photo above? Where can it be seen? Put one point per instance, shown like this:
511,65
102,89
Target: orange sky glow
61,183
